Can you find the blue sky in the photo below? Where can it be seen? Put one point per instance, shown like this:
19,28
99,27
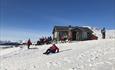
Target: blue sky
23,19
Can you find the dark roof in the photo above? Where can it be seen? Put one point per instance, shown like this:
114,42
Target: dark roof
61,28
72,28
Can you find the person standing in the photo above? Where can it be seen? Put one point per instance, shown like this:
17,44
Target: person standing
103,32
29,43
69,36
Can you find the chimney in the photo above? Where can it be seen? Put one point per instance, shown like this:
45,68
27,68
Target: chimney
69,26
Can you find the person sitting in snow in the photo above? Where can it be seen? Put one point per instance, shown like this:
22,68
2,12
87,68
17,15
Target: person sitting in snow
52,49
29,43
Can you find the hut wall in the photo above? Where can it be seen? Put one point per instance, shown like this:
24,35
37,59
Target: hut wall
77,36
63,33
56,35
84,35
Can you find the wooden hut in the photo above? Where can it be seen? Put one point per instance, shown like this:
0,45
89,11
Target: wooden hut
74,32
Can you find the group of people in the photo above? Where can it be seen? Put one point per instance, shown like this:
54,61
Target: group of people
44,40
41,41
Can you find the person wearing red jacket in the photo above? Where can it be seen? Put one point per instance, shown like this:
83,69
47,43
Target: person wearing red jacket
29,43
52,49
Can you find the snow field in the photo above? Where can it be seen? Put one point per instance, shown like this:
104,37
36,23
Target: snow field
82,55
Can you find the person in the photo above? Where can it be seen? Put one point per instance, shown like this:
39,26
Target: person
69,36
62,39
45,40
52,49
103,33
49,40
29,43
38,43
55,40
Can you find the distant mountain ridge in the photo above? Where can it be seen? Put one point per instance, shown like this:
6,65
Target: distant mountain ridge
9,43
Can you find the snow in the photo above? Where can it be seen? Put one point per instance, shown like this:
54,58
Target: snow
83,55
78,55
8,51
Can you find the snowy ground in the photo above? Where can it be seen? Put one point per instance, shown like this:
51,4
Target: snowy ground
82,55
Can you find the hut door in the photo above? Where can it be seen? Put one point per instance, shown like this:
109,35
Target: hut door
73,35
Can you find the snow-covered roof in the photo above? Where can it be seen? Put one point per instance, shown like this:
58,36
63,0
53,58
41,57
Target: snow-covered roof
66,28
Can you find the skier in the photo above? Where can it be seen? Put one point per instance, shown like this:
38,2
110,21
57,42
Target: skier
52,49
29,43
103,33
